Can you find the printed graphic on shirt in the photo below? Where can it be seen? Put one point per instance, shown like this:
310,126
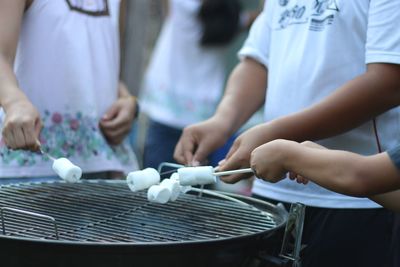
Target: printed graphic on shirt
319,14
90,7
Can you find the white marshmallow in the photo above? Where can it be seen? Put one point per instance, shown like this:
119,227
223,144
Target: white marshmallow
139,180
66,170
173,187
196,175
174,176
183,189
158,194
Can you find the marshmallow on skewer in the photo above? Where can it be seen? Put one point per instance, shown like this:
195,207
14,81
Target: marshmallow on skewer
139,180
173,186
158,194
66,170
183,189
196,175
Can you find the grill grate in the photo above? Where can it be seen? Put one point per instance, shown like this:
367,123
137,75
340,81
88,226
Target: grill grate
108,212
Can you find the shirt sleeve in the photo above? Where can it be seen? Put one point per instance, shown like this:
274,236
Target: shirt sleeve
383,35
256,45
394,155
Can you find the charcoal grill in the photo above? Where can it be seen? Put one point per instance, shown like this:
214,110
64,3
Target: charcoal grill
103,223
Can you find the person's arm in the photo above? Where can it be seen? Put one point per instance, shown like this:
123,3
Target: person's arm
116,123
356,102
22,122
165,8
390,200
340,171
244,95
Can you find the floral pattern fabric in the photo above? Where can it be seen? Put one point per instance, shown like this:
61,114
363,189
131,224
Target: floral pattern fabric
66,135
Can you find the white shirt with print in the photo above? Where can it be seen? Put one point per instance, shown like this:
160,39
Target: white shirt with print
312,48
67,63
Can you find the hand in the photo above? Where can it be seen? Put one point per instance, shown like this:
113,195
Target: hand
117,121
268,160
199,140
22,125
238,156
294,176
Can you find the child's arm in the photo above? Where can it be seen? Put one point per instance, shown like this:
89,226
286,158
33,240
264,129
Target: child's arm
117,121
389,200
22,123
356,102
344,172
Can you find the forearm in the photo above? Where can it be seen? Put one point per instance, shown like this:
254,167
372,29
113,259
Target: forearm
165,8
9,91
354,103
123,90
344,172
244,95
11,13
389,200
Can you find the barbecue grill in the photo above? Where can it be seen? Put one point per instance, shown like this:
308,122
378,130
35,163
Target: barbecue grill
103,223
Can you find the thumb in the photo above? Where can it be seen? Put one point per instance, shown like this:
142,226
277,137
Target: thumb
202,152
232,150
111,112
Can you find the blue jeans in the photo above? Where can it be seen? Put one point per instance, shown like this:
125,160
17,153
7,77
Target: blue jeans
160,145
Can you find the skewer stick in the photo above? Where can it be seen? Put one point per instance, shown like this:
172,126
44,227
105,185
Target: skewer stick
45,153
248,170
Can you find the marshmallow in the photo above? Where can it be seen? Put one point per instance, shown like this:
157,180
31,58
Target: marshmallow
173,186
158,194
183,189
139,180
66,170
196,175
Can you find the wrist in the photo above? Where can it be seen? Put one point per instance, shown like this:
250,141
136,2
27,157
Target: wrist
290,154
136,105
224,125
12,99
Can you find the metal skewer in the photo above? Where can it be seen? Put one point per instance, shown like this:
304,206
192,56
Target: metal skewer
248,170
45,153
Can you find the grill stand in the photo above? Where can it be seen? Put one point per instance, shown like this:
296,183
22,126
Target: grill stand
291,244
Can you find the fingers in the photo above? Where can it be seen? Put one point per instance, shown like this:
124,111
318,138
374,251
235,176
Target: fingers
116,124
112,112
299,179
185,149
202,151
22,135
231,179
233,149
188,147
9,139
178,153
237,161
31,137
117,135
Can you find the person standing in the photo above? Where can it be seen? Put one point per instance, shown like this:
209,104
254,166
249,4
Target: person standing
60,88
185,78
344,58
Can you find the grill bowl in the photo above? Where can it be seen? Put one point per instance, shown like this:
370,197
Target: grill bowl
103,223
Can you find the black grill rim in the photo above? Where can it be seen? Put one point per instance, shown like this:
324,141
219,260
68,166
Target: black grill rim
280,213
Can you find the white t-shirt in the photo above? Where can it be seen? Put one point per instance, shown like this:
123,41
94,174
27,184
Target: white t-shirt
184,81
311,48
67,63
